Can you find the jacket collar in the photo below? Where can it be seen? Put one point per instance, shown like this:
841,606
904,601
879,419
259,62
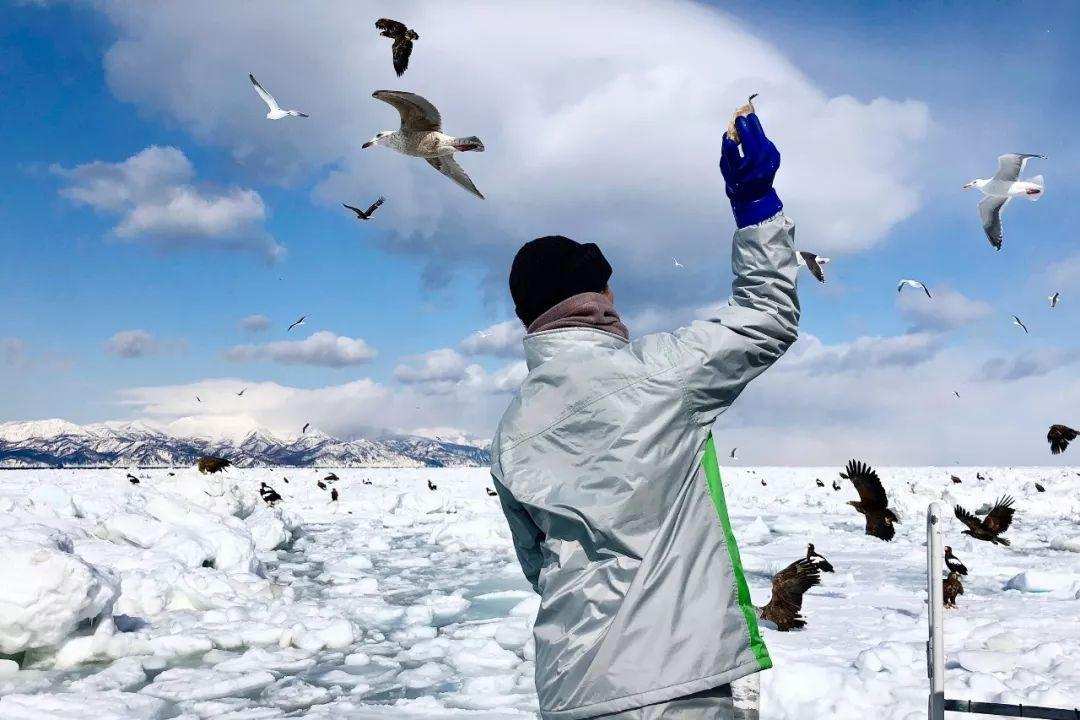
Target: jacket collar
542,346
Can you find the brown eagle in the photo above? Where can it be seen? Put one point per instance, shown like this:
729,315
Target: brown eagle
951,587
873,502
990,527
403,40
956,480
788,587
1059,438
211,464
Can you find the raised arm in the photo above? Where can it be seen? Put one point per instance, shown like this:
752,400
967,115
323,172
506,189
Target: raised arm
719,356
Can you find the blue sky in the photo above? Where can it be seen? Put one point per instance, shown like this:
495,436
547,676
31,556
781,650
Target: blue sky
881,113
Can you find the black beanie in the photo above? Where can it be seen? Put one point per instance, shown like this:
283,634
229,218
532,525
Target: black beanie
550,269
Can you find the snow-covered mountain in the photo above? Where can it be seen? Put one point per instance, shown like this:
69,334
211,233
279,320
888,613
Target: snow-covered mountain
58,443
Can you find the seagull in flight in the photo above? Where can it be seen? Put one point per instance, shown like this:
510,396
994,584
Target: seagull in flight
1054,300
915,284
198,399
1003,187
812,263
298,323
366,214
275,112
306,425
676,262
956,393
733,451
1019,323
403,41
241,393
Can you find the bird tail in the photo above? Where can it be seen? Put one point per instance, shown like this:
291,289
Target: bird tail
466,144
1037,180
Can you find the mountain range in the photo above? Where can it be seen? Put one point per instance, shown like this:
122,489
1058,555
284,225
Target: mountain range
58,443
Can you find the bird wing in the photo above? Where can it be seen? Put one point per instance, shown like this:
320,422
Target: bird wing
790,584
967,518
1000,516
416,112
1059,438
811,262
1020,322
266,97
358,211
926,290
391,28
868,485
1011,165
401,51
990,212
449,167
375,205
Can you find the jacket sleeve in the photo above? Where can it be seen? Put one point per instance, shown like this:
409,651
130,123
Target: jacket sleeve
719,356
527,536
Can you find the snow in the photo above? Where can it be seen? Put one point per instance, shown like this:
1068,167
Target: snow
187,597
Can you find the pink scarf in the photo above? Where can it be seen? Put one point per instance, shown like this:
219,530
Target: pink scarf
585,310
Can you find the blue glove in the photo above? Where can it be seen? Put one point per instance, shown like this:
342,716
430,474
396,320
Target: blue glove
749,177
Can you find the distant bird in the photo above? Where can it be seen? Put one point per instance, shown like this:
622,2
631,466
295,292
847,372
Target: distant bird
979,476
132,479
1039,488
819,560
331,477
951,587
403,42
321,484
784,609
275,111
286,480
733,451
268,494
763,483
365,481
677,263
915,284
366,214
819,483
956,480
304,429
956,393
873,503
334,495
298,323
198,399
1003,187
172,474
211,464
241,393
1059,438
1019,323
990,527
953,563
432,486
812,263
835,484
1054,300
490,492
421,136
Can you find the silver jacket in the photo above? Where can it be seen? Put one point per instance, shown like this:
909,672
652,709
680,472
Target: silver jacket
608,476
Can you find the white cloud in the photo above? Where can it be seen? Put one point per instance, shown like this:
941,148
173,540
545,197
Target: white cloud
500,340
153,194
323,348
443,365
255,323
862,354
947,310
132,344
1030,363
625,154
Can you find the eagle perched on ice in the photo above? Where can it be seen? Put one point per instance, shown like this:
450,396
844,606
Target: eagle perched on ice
873,503
211,464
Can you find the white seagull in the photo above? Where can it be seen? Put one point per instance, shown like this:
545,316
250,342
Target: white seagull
1019,323
1003,187
915,284
275,113
421,136
1054,300
812,263
677,263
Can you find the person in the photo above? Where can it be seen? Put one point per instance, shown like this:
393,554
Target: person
607,471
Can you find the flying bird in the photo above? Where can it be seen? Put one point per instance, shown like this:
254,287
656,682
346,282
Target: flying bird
915,284
432,486
275,112
819,483
490,492
733,451
1054,300
819,560
953,563
331,477
956,393
1003,187
1059,438
268,494
812,263
1019,323
873,503
304,429
198,399
784,609
951,587
241,393
302,319
211,464
990,527
334,495
366,214
421,136
403,42
677,263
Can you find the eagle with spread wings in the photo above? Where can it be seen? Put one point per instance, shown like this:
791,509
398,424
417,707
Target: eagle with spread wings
990,527
784,609
873,503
